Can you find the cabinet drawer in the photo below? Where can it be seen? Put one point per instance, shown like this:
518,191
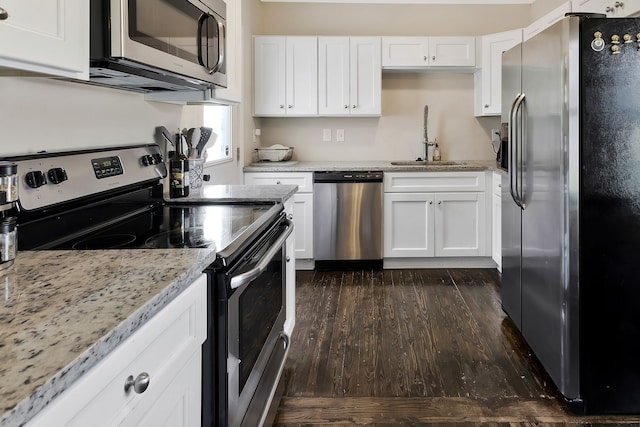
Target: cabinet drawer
304,180
420,182
159,348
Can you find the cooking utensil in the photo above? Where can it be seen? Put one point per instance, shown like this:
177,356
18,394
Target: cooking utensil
189,138
205,134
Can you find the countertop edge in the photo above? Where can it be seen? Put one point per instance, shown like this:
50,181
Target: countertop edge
63,379
383,166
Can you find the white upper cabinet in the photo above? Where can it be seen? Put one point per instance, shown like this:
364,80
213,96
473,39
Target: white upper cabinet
350,76
405,52
427,52
285,76
46,36
452,51
546,21
488,80
612,8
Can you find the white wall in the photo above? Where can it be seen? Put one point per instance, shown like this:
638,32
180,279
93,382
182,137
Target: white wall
46,114
398,134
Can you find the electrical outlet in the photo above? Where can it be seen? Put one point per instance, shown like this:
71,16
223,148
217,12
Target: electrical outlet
326,135
340,135
256,135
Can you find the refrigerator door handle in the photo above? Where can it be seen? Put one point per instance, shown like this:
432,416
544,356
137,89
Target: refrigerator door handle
513,149
519,148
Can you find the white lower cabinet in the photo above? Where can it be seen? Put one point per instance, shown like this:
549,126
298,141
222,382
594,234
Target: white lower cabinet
290,298
496,220
422,222
167,350
302,204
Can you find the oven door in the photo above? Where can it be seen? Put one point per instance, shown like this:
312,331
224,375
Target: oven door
251,346
183,36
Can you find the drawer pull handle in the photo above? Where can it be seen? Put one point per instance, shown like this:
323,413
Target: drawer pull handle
3,14
139,384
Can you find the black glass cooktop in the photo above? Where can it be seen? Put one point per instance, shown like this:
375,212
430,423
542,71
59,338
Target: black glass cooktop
170,226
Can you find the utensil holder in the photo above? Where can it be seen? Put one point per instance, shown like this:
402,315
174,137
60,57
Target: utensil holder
196,168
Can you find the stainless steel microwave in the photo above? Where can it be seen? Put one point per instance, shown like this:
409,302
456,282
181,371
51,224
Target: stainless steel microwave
158,45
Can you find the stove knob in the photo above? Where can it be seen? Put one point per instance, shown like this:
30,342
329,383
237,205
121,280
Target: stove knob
158,158
57,175
148,160
35,179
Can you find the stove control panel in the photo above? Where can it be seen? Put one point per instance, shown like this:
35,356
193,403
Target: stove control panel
107,166
46,179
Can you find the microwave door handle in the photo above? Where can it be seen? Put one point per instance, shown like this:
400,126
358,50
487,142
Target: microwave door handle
201,21
221,52
247,277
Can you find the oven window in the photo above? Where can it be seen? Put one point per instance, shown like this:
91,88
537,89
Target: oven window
259,305
168,25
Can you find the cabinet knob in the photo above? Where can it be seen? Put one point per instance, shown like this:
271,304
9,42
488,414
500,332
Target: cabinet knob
439,202
277,182
430,202
139,384
346,106
3,14
353,106
609,9
433,58
288,259
619,4
290,106
486,105
281,106
425,57
290,216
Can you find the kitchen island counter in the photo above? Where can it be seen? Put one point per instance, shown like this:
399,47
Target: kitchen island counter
63,311
374,165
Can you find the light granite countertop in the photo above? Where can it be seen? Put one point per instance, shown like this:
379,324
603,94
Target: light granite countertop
374,165
63,311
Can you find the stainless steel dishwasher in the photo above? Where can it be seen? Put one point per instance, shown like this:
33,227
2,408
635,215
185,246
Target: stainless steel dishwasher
347,219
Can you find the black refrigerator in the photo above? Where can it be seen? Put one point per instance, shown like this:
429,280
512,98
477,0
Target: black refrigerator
571,207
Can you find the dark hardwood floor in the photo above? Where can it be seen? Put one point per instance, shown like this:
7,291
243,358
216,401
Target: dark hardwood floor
414,348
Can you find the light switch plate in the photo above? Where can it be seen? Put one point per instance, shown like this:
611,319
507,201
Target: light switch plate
326,135
340,135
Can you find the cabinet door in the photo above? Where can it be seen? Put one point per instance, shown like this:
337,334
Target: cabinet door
366,76
452,51
333,76
302,76
493,45
612,8
269,97
408,225
290,301
178,405
303,219
46,36
405,52
460,224
496,230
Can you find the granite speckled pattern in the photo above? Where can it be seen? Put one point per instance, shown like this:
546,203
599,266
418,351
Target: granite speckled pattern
373,165
63,311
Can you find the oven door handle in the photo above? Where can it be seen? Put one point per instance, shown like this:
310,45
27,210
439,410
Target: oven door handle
247,277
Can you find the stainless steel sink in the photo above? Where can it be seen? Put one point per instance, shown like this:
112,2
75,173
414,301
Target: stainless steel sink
427,163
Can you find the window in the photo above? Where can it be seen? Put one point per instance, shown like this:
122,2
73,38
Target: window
218,118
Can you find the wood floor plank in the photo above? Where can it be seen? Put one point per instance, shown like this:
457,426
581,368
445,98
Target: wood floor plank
414,348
